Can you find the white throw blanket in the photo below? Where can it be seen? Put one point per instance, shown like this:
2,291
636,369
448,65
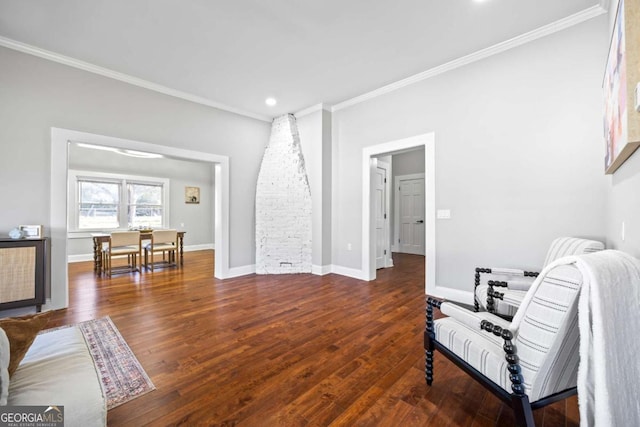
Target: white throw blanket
609,320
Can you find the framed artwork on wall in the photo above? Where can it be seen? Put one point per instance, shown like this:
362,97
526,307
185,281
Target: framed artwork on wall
192,195
621,121
615,92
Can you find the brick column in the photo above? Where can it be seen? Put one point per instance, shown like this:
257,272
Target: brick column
283,204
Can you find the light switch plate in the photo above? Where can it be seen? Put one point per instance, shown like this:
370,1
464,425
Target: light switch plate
443,214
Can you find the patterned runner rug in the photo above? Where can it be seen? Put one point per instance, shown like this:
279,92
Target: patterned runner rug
122,376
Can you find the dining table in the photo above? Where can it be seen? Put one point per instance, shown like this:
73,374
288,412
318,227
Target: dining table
100,238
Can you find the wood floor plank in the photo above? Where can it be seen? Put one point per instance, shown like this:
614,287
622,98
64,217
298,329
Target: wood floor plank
290,350
490,407
572,412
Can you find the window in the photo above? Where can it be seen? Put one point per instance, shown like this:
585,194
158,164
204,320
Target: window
98,205
110,201
145,205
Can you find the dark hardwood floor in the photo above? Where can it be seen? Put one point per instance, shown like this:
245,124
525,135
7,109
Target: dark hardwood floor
291,350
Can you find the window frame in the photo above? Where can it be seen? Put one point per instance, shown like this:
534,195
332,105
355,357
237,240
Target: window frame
123,203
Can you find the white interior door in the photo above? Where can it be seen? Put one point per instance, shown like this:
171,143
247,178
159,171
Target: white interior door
411,215
381,217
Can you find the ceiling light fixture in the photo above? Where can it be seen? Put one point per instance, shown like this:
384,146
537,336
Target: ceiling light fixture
270,102
122,151
96,147
140,154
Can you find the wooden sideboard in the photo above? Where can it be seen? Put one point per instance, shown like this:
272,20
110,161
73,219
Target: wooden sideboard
23,272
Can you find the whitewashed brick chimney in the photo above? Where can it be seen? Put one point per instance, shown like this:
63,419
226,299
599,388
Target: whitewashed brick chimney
283,204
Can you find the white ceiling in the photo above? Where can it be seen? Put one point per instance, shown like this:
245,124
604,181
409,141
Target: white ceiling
239,52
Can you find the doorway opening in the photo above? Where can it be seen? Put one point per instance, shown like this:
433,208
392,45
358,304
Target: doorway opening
60,139
369,233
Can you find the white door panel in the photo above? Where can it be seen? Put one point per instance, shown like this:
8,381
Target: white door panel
411,239
380,214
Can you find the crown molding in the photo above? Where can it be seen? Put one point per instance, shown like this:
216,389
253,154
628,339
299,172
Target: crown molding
105,72
312,109
544,31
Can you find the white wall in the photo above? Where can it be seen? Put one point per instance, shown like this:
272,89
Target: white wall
408,163
623,206
38,94
327,177
310,131
315,140
518,153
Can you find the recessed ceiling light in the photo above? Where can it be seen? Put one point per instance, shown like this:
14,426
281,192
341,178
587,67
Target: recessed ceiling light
270,102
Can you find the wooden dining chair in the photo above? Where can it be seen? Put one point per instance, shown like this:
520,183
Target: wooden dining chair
165,241
121,243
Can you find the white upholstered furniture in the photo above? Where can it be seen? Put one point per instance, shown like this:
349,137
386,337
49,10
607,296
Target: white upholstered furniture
501,290
529,362
59,370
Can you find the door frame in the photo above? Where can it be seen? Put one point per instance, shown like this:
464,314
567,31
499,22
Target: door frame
427,141
59,202
396,206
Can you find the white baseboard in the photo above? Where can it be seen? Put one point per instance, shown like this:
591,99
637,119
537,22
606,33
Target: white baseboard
80,258
189,248
206,246
320,270
349,272
241,271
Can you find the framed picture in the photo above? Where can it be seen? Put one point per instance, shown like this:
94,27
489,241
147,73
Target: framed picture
31,230
192,195
620,121
615,92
